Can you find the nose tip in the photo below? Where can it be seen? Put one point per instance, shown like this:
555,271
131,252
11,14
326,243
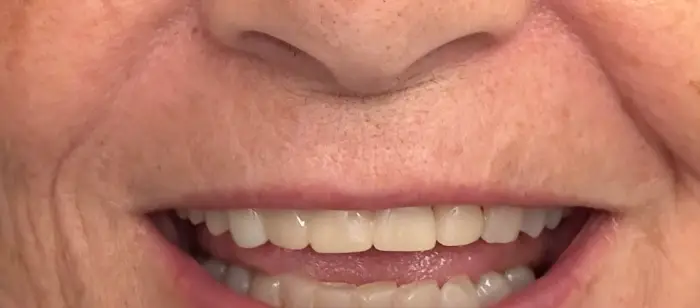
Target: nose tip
366,46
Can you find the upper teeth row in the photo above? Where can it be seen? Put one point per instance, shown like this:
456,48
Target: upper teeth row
396,229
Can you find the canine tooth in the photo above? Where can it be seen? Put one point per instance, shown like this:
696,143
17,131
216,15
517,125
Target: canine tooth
266,289
336,295
417,295
286,228
215,268
297,292
492,288
183,214
459,292
533,222
519,277
247,228
238,279
553,218
196,217
458,225
502,224
376,295
341,231
405,229
216,221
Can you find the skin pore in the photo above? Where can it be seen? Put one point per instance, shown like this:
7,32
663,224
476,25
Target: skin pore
110,107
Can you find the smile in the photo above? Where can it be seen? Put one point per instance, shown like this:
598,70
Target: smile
448,255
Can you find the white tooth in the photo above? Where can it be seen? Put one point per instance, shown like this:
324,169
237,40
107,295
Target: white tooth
417,295
533,222
196,217
341,231
266,289
458,225
336,295
459,292
502,224
297,292
286,228
238,279
492,288
377,294
247,229
553,218
217,222
183,214
215,268
405,229
519,277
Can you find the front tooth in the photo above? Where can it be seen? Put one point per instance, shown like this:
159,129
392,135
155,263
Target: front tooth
376,295
216,269
459,292
196,217
502,224
237,279
341,231
266,289
336,295
519,277
417,295
217,222
405,229
533,222
492,288
297,292
458,225
554,218
247,228
286,228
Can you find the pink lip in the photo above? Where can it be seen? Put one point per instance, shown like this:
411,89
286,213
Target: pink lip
327,198
199,290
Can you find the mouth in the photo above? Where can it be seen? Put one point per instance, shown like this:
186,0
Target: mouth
448,255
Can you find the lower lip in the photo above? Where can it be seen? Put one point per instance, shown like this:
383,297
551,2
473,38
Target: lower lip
198,289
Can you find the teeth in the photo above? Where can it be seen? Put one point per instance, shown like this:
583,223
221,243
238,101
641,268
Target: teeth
459,292
196,217
533,222
417,295
341,231
458,225
519,277
336,295
237,279
291,291
405,229
492,288
554,218
502,224
216,222
266,289
297,292
286,229
377,294
247,228
397,229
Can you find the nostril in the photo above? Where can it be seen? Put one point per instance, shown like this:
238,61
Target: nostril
259,39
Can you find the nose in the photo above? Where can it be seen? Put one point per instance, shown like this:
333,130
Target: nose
365,45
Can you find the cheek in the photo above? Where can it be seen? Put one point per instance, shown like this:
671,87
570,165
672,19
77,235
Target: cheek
651,51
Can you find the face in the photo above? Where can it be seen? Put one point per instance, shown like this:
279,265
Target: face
352,142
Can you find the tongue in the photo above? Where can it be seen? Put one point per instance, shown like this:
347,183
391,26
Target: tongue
438,264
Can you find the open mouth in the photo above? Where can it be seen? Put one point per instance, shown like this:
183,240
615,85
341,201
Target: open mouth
448,256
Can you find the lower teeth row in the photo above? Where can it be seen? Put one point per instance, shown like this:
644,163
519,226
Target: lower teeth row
292,291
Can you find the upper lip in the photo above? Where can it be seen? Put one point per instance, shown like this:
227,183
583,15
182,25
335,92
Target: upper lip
334,199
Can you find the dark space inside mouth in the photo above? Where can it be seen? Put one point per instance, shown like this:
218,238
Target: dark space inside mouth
184,237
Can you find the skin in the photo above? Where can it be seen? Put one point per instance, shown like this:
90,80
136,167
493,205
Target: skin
111,107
